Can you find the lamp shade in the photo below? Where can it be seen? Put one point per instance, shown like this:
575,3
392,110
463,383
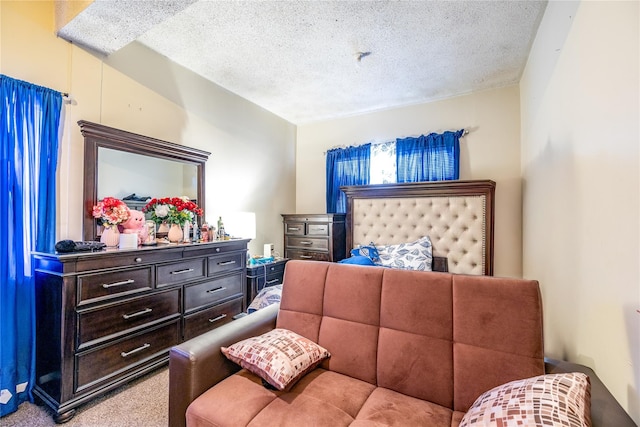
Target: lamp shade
239,224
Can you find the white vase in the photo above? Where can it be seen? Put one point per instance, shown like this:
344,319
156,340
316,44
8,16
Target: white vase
163,228
110,236
175,233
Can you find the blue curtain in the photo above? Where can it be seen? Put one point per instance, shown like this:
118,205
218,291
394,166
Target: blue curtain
29,134
435,157
345,166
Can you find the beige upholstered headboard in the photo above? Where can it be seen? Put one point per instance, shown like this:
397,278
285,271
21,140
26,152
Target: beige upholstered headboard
457,216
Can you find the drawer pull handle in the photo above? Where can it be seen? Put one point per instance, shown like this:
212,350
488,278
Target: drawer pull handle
306,257
215,319
269,282
135,350
186,270
306,242
110,285
294,228
213,291
139,313
138,259
226,262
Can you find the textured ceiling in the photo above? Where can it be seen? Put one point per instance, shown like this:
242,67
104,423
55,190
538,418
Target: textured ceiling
299,59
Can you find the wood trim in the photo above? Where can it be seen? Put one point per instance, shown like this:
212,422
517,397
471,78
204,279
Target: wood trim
429,189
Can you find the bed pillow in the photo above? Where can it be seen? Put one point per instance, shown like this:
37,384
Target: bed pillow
557,400
357,260
267,296
369,251
280,357
409,256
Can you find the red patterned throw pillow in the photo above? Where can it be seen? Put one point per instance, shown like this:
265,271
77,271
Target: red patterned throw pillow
558,400
280,357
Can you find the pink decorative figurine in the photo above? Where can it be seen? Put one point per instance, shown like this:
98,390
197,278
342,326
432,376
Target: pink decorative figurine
135,224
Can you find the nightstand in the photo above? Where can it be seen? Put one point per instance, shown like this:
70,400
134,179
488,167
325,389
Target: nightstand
316,237
260,276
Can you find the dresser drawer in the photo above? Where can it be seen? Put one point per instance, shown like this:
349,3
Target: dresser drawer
105,285
208,293
307,255
205,320
260,282
178,272
103,260
226,262
317,229
115,319
270,270
101,364
295,228
307,243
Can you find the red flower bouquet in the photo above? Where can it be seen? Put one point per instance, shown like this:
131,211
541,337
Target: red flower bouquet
172,210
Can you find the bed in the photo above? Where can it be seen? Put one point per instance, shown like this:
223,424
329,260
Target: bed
458,217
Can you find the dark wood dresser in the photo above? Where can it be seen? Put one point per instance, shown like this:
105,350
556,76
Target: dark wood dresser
318,237
105,318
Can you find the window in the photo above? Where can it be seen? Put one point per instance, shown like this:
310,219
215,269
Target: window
383,163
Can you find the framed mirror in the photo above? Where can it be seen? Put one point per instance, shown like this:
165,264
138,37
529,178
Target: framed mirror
127,165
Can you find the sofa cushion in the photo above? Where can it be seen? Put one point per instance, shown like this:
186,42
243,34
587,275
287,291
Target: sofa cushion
344,315
389,408
415,316
234,401
497,334
280,357
321,398
561,400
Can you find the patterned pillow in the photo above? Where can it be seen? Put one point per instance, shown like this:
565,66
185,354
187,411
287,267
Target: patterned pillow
280,357
409,256
267,296
547,400
369,251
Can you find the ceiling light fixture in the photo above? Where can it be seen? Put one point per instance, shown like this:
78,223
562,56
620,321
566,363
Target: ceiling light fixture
360,55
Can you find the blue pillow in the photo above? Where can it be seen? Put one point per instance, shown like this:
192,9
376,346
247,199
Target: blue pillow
358,260
370,251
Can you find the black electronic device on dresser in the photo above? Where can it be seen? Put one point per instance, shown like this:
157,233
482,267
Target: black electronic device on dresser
105,318
260,276
318,237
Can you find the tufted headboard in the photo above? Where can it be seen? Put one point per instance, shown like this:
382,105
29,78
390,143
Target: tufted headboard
458,217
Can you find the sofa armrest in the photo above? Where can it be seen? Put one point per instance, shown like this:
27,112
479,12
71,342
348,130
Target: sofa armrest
198,364
605,409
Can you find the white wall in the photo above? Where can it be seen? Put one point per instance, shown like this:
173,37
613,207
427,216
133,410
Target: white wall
140,92
580,157
490,151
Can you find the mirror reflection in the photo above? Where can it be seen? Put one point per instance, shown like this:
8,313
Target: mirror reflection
119,175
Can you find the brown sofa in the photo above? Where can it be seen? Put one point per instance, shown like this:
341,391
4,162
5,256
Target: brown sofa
407,348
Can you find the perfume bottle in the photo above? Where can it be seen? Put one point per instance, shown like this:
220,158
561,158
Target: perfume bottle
150,238
204,232
221,232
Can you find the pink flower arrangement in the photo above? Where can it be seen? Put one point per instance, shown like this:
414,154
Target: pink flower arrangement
111,211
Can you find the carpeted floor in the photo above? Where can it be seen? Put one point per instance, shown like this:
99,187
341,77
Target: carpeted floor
144,402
